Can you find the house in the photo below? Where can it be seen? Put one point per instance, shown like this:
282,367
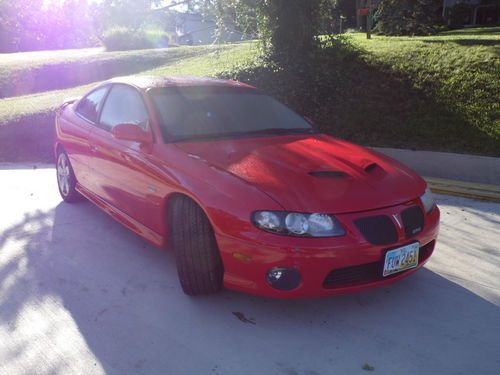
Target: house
454,12
471,12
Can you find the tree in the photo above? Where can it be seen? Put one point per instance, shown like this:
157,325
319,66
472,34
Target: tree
17,19
407,17
346,9
132,14
288,29
33,25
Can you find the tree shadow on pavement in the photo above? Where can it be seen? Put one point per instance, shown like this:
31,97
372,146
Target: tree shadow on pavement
118,301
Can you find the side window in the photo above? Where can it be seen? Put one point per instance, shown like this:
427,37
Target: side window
124,105
90,105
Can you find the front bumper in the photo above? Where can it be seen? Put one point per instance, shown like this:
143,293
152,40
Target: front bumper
328,266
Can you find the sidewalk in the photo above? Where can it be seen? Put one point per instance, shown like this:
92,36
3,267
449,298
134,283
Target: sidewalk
470,176
81,294
455,174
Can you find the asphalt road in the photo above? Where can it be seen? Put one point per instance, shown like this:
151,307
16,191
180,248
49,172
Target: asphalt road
81,294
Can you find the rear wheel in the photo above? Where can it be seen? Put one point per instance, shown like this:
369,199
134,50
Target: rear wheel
199,264
66,181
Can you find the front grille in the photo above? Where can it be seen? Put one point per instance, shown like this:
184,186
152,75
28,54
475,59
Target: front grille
413,221
378,230
425,251
369,272
363,273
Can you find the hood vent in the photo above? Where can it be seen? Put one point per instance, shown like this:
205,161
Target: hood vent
371,167
330,174
374,170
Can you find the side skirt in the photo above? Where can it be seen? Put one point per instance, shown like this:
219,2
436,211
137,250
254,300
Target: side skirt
132,224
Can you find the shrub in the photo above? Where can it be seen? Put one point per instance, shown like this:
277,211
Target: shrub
306,84
122,38
407,17
399,93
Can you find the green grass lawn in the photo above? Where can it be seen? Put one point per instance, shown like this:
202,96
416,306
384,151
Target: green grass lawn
457,77
28,119
211,63
208,61
30,72
437,93
475,31
430,93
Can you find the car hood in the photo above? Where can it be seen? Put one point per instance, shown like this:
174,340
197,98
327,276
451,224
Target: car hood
313,173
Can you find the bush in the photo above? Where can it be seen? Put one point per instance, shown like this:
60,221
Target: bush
122,38
306,84
27,25
407,17
400,93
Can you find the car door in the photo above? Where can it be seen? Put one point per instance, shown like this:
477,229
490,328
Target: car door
76,132
121,170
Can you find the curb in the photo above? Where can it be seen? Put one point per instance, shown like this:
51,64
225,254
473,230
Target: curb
450,166
438,185
26,165
464,189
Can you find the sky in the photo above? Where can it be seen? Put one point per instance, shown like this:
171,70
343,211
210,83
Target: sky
180,8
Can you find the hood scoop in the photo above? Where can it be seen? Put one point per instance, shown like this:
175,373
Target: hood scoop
329,174
375,170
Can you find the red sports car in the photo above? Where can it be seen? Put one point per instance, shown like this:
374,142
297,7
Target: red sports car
248,194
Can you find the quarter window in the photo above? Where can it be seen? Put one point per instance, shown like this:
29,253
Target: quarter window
90,105
124,105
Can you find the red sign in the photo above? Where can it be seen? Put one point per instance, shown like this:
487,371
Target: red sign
363,11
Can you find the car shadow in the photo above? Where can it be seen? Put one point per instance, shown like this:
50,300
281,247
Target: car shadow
126,303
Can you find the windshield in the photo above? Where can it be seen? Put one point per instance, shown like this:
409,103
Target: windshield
211,112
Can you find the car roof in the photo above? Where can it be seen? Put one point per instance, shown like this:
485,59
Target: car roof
148,82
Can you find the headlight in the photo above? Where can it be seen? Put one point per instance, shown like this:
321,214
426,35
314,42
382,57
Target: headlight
268,220
428,200
298,224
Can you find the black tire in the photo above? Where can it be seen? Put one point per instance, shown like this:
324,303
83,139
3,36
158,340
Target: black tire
197,256
66,180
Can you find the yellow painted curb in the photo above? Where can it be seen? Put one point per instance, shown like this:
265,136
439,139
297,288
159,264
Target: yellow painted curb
464,189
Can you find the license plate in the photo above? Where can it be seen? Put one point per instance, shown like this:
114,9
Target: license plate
401,259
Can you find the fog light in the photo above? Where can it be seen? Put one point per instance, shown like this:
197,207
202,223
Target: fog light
283,278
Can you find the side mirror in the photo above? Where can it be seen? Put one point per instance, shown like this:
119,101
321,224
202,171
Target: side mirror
131,132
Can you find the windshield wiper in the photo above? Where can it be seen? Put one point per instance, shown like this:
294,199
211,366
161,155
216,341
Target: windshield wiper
243,134
281,131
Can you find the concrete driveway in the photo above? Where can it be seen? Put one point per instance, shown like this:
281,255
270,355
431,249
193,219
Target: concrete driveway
81,294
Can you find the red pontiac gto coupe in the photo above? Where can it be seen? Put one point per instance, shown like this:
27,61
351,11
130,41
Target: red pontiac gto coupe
247,193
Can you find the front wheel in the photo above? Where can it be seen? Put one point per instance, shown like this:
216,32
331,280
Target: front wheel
66,181
199,264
